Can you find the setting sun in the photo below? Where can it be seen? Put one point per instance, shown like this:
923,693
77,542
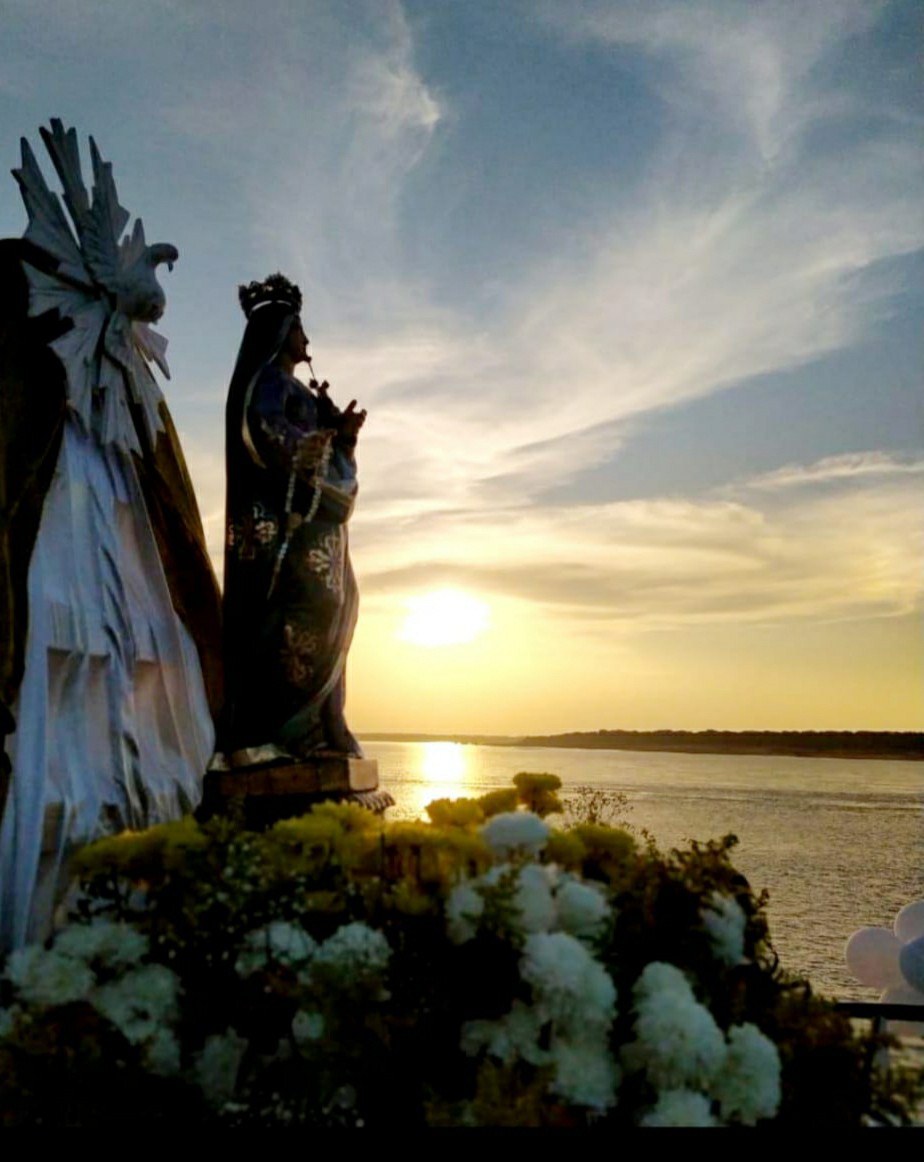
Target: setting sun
444,618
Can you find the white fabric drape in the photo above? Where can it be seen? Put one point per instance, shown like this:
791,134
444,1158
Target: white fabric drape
113,726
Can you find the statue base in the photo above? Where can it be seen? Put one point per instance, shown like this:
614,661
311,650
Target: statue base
269,793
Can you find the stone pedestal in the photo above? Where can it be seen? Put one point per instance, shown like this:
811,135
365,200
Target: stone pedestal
272,792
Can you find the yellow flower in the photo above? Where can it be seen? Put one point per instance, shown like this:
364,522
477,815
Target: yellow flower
308,831
470,852
406,832
137,853
499,802
431,854
360,853
566,849
350,816
301,846
598,838
407,898
456,812
324,902
608,847
528,781
536,790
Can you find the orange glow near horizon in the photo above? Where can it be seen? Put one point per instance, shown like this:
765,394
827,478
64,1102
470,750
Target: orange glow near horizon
544,671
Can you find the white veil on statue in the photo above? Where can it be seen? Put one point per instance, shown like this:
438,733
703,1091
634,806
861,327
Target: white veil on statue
113,726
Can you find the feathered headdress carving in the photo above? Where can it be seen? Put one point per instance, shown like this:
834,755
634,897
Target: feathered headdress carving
104,283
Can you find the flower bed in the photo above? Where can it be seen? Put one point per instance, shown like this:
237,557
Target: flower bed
484,968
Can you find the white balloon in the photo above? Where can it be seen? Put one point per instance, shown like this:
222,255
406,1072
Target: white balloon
909,923
904,996
911,962
872,957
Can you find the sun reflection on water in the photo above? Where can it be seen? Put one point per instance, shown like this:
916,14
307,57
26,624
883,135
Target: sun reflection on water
443,768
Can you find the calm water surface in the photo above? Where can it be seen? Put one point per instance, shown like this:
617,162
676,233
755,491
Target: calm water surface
838,843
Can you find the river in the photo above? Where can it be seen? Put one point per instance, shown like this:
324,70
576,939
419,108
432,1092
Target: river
838,843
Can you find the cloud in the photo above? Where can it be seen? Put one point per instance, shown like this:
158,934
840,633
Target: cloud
330,115
849,467
851,552
748,65
734,261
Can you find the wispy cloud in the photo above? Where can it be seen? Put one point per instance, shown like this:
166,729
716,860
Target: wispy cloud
733,263
746,66
851,551
849,467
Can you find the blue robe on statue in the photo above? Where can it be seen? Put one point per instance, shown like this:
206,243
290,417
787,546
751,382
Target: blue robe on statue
290,596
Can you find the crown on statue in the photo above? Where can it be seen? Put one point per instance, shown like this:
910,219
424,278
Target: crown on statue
275,289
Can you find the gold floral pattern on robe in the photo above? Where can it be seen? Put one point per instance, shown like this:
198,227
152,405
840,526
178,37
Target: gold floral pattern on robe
325,559
299,653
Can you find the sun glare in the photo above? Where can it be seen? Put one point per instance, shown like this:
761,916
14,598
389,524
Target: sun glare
442,762
446,617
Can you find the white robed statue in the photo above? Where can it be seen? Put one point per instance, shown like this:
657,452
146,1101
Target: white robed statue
109,609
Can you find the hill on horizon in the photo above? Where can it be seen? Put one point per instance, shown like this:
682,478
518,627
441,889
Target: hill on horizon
807,743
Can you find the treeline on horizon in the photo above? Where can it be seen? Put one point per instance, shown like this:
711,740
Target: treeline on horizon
847,743
904,744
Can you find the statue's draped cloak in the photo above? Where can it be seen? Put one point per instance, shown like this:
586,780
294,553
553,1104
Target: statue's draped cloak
40,442
286,640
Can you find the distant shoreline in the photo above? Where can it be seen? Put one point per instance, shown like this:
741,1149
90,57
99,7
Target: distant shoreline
865,744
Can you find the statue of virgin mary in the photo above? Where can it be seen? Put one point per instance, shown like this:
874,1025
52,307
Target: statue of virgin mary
109,609
290,596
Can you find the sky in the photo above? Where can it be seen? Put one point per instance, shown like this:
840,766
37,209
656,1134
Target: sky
632,292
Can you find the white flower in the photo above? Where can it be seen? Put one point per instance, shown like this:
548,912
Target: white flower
680,1107
574,1002
112,944
463,911
585,1072
140,1002
280,942
307,1026
48,977
162,1054
659,977
498,874
513,1036
355,953
748,1085
569,985
582,909
533,899
677,1041
515,831
289,943
725,922
218,1064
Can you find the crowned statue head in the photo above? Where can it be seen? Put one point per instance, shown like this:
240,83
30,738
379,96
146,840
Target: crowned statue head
274,330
